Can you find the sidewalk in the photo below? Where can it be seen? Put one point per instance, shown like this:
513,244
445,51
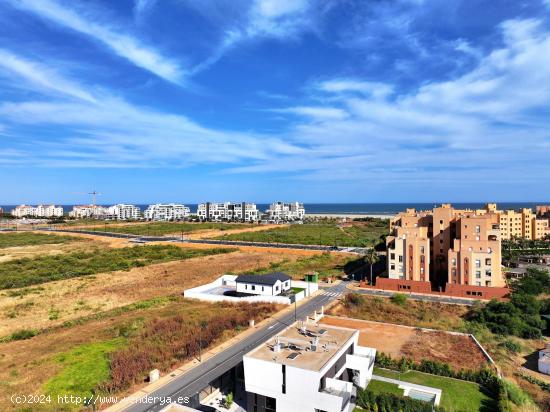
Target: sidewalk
130,399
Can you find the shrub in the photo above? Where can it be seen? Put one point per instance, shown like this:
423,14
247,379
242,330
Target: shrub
378,402
23,334
399,299
511,346
229,400
353,299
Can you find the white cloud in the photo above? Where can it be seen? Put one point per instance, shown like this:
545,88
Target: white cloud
41,76
488,124
318,113
121,44
101,129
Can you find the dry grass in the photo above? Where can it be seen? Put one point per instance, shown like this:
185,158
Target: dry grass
25,366
460,351
72,298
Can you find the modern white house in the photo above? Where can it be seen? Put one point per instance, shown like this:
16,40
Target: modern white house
89,211
544,360
166,212
307,368
228,212
38,211
280,211
271,284
124,212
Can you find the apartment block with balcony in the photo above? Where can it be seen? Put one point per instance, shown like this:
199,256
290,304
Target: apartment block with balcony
89,212
124,212
445,246
228,212
307,368
38,211
166,212
280,211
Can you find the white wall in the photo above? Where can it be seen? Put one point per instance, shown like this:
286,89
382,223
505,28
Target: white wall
263,290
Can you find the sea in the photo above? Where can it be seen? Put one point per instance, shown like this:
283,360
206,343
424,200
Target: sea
388,209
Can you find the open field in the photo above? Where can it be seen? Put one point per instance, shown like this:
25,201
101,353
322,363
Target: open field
42,364
17,239
325,264
330,234
51,304
457,395
41,269
166,228
459,351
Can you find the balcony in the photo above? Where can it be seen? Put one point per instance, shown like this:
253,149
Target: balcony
337,391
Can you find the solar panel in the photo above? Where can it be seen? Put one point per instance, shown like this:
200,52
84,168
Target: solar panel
293,355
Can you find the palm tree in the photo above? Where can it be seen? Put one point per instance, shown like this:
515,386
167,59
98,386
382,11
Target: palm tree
371,257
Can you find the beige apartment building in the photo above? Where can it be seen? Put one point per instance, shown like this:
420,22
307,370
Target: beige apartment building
446,246
522,223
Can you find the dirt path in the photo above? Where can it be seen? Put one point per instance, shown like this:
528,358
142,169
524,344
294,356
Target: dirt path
210,233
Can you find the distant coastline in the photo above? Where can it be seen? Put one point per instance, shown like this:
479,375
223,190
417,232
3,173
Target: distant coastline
351,210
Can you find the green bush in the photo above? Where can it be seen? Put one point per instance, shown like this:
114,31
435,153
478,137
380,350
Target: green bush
511,346
399,299
378,402
23,334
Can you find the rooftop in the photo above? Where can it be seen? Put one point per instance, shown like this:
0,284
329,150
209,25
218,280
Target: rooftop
295,346
267,279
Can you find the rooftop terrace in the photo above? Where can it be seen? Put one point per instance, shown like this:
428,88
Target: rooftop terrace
304,346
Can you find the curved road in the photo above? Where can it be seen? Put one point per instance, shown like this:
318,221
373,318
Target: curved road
200,376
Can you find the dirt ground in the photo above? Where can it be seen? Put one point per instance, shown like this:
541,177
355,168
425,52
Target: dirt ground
73,298
205,234
460,351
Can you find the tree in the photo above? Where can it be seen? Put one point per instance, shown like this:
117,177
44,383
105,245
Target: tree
371,257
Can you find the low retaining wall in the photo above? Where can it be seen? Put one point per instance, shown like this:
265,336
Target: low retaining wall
201,292
451,290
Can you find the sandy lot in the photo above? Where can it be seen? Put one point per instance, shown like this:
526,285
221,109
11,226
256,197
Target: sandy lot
460,351
73,298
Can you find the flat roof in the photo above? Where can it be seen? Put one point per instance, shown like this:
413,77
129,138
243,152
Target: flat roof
296,346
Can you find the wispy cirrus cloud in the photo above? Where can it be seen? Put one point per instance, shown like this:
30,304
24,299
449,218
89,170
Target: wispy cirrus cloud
491,116
103,130
122,44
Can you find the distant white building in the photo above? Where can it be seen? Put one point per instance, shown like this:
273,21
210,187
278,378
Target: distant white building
124,212
544,360
307,368
228,212
38,211
89,212
280,211
271,284
166,212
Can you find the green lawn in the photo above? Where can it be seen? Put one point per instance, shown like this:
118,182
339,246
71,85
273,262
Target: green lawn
83,368
329,234
165,228
385,387
30,271
13,239
457,395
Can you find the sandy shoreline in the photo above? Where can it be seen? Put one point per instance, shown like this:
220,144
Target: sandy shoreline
349,215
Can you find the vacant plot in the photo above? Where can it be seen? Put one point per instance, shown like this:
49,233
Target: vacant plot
330,234
325,264
457,395
16,239
53,303
25,272
458,350
165,228
411,313
75,359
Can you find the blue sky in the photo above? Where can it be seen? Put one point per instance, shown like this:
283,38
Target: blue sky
261,100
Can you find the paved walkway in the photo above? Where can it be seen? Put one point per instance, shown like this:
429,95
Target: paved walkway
411,389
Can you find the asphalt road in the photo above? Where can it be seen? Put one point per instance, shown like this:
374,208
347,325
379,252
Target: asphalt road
197,378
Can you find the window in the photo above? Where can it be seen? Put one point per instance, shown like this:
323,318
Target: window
392,267
453,261
270,404
246,286
392,256
400,258
421,271
284,378
478,229
478,274
253,287
422,249
262,288
488,262
478,263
